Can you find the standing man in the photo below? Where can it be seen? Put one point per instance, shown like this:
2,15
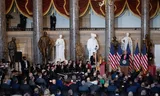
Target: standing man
25,65
53,20
124,63
93,60
12,48
23,22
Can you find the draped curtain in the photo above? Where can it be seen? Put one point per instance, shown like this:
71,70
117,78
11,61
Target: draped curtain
22,7
135,7
9,5
119,7
25,7
62,7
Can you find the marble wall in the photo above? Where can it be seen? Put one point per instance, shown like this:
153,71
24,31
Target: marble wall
24,39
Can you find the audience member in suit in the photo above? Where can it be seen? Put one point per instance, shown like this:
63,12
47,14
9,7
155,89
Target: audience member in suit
53,86
25,65
93,59
15,86
111,89
154,89
5,87
69,66
74,87
40,81
79,66
25,88
142,88
83,88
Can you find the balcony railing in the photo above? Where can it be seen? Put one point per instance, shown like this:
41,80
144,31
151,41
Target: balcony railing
67,29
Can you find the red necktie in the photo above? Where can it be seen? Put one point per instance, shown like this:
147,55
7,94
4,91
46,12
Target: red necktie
125,56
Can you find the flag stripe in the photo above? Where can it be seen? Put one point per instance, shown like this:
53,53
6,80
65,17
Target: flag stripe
119,54
137,61
112,58
137,58
144,59
130,58
113,61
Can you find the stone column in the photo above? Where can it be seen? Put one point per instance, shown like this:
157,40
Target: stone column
145,19
37,29
74,27
3,37
109,26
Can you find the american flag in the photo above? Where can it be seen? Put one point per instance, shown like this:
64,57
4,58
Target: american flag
144,59
130,58
119,54
137,58
112,57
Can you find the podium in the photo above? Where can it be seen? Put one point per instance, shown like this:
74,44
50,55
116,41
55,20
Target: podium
152,70
124,65
124,70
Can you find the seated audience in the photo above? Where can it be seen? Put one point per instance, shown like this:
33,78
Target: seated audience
76,79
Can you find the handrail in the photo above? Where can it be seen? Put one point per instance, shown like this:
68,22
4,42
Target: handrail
67,29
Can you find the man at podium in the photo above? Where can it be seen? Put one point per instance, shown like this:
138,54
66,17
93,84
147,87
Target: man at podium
124,63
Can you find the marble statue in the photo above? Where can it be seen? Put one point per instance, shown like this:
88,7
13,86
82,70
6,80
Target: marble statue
60,49
125,41
92,45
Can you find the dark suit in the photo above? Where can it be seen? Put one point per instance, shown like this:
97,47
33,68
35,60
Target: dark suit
124,58
74,87
25,88
53,88
24,67
23,21
124,65
6,89
93,60
53,22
